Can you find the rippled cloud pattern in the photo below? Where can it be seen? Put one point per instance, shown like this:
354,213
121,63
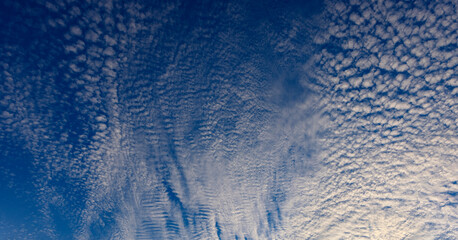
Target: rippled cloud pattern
228,119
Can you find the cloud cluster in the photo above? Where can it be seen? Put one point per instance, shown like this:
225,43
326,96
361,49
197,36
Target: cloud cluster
387,74
59,104
138,124
183,121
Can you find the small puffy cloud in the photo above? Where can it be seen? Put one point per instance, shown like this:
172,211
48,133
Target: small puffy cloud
76,31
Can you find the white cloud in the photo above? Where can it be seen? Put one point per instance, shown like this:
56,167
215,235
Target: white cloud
76,30
92,36
109,51
372,156
396,128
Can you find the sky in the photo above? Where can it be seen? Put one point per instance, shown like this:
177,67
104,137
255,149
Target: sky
228,119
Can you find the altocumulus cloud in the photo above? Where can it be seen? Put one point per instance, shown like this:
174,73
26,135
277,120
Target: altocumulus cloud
176,120
387,71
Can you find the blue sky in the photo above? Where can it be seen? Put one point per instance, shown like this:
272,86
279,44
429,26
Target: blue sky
228,120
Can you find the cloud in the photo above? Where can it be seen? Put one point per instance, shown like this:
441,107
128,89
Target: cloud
381,166
75,30
152,129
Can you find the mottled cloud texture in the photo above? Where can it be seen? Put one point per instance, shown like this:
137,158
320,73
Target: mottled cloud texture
387,71
178,120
